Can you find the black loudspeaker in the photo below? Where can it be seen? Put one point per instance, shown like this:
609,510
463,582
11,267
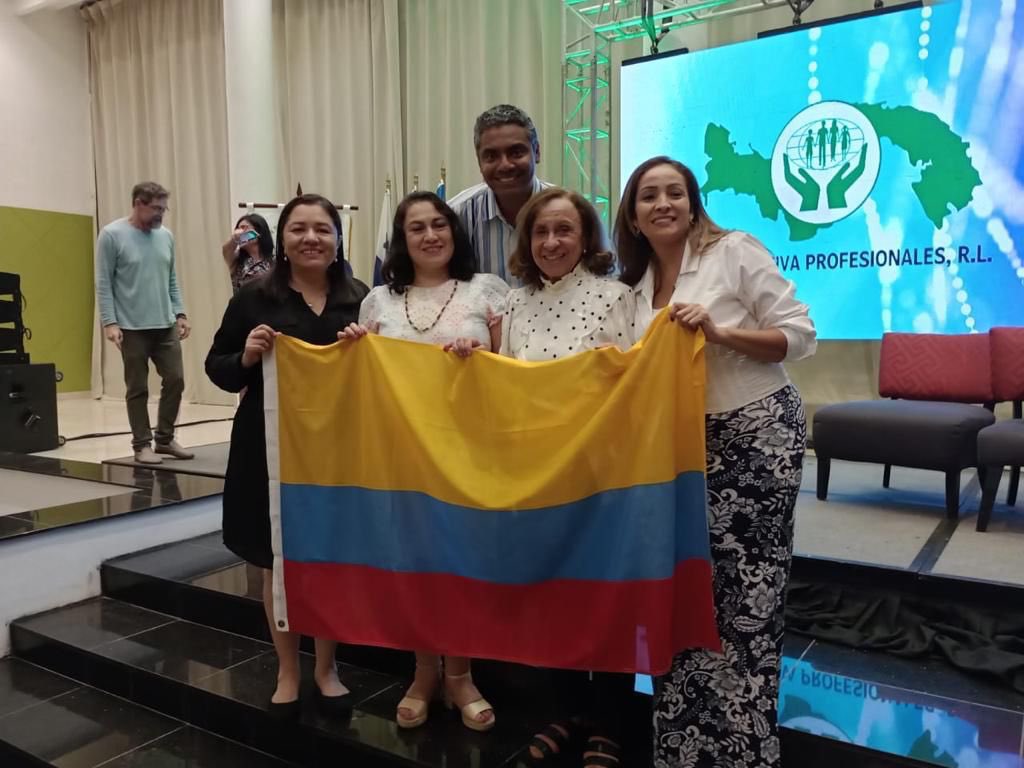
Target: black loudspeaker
13,332
28,408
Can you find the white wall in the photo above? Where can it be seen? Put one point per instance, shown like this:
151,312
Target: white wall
47,570
45,122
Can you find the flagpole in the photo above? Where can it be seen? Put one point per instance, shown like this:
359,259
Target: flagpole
383,230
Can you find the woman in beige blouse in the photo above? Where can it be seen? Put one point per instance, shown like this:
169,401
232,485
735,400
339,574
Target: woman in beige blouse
717,708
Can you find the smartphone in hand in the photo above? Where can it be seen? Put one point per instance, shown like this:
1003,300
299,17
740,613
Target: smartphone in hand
247,237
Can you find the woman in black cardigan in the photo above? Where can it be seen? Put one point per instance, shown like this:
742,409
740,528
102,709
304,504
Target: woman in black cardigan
309,296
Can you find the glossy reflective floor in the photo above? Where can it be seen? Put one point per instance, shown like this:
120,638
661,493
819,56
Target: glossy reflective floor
22,491
61,722
172,665
98,491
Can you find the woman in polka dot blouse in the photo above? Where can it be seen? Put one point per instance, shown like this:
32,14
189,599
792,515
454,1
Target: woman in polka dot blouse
568,303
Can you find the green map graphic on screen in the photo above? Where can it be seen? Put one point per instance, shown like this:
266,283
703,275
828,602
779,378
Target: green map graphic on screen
828,158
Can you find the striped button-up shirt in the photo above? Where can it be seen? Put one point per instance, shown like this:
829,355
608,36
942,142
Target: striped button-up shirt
492,237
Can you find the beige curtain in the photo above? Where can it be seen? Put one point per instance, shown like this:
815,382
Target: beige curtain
336,63
157,73
460,57
366,90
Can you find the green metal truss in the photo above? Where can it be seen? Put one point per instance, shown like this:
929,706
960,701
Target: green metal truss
590,29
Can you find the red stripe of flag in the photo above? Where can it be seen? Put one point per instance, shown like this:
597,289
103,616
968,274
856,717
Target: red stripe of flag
595,625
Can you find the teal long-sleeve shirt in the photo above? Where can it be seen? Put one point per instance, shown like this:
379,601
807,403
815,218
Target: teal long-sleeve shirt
136,285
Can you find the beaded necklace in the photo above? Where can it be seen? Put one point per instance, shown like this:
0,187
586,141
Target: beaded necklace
455,285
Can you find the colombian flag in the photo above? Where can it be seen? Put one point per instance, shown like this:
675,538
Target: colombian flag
551,513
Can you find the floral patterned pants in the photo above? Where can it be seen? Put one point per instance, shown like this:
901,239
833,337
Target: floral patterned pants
719,710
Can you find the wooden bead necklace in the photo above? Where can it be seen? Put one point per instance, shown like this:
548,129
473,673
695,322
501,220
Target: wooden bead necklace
408,289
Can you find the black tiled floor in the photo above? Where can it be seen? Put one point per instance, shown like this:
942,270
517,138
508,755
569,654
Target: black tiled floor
181,562
444,740
223,682
94,622
252,682
229,598
83,728
56,720
191,748
183,651
213,540
241,580
24,685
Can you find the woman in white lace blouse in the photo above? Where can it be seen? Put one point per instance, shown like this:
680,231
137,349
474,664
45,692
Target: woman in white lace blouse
432,293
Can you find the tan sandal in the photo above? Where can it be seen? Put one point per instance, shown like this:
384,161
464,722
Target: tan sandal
419,707
471,711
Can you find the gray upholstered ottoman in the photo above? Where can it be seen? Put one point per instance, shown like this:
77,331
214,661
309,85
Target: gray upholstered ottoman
905,433
1001,445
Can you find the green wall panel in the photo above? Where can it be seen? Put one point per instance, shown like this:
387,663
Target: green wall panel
53,253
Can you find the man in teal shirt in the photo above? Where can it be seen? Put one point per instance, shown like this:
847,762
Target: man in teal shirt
142,314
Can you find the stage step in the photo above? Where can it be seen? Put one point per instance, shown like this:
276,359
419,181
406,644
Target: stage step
180,634
201,581
47,719
221,682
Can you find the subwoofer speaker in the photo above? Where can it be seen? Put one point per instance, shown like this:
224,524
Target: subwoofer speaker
28,408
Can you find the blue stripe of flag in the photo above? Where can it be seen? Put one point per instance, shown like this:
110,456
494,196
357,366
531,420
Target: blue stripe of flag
620,535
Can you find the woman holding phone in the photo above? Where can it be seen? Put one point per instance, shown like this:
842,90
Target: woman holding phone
249,252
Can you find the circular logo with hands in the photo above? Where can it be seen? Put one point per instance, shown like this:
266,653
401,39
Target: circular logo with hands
825,162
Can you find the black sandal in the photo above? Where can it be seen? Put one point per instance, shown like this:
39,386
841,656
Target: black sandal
607,754
553,743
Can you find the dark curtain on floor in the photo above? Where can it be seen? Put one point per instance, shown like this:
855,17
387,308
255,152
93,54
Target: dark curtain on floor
976,639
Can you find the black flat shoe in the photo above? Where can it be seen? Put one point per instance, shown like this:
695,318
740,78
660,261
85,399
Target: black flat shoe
287,710
333,705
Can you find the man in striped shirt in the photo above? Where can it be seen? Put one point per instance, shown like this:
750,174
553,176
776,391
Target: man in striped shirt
507,151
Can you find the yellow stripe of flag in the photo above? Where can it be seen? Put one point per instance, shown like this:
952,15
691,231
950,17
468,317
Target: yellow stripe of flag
491,432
